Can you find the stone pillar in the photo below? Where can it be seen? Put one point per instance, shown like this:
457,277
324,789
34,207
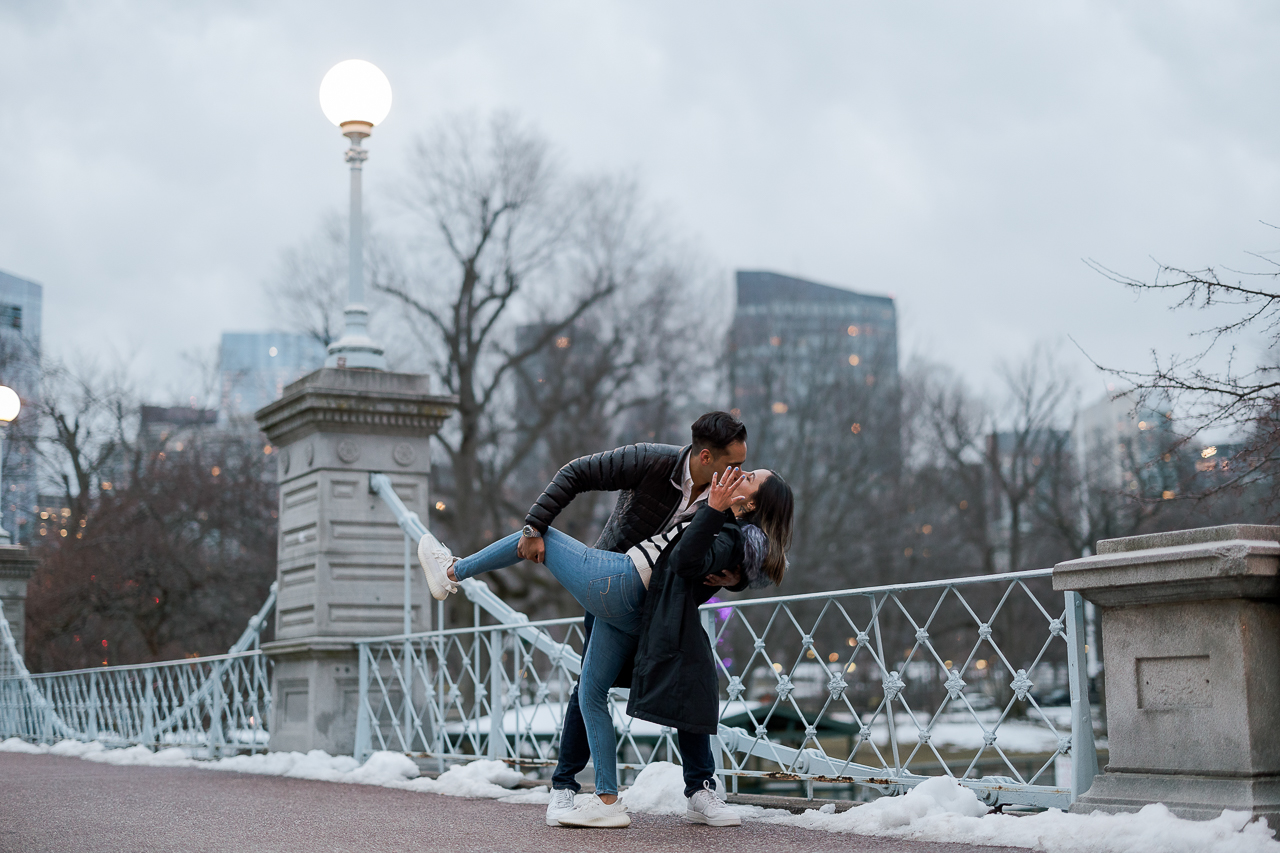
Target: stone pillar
340,552
1191,638
16,567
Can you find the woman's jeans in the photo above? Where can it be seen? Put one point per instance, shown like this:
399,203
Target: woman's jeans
608,586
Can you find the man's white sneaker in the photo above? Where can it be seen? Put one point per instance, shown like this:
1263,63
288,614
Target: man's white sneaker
707,807
436,562
561,804
596,813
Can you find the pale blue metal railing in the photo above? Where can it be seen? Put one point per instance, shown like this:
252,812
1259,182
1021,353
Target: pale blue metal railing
215,704
499,691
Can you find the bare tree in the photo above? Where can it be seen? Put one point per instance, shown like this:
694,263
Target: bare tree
503,237
90,418
1026,443
170,563
1244,395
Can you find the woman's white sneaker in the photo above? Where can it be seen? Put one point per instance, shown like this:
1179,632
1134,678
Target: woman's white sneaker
597,814
561,804
436,562
706,807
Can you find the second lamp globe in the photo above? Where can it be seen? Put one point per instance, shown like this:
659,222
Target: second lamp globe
355,91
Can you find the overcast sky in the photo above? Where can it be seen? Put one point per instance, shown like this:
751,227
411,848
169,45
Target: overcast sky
963,157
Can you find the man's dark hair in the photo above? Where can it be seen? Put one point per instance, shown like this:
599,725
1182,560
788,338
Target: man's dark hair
715,431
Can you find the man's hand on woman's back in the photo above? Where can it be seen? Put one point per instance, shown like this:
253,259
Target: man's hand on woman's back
729,577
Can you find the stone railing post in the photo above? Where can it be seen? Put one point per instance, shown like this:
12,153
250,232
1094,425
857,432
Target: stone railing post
340,551
16,567
1191,642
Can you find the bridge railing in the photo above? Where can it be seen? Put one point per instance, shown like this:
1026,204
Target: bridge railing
216,705
881,687
886,686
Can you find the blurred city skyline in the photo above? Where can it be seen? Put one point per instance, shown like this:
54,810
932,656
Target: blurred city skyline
963,160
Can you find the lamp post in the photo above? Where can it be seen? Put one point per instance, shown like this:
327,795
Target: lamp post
355,96
10,405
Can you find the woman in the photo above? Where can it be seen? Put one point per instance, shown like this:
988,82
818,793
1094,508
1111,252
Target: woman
721,545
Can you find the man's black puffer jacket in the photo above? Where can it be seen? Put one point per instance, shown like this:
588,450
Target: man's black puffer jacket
649,477
674,681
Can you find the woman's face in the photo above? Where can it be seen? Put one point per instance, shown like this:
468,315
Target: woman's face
751,484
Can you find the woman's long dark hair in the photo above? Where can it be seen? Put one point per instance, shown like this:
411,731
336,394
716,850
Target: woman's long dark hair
775,507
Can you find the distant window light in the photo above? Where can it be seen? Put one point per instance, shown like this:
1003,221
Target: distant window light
562,342
779,408
1211,450
853,331
775,341
11,316
856,428
737,413
1142,424
854,360
273,352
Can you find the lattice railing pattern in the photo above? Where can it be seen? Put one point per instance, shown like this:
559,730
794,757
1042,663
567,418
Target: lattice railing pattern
915,680
485,692
921,680
217,704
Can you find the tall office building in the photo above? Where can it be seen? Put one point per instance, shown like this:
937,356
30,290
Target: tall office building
808,359
21,306
256,366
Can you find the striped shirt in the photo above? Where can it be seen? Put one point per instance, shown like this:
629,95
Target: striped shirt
645,555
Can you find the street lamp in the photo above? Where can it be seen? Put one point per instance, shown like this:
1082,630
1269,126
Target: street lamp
355,96
10,405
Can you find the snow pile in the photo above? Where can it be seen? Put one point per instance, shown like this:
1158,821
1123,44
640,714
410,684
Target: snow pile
939,809
487,779
942,810
316,764
659,789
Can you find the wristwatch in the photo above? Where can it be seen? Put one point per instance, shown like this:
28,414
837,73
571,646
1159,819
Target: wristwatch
530,532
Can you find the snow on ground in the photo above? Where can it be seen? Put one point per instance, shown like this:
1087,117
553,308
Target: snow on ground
936,810
489,779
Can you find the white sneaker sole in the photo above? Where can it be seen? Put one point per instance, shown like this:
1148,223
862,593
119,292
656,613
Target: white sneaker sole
437,581
554,820
698,817
613,821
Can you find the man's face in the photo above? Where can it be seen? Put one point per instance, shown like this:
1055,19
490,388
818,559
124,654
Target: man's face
732,457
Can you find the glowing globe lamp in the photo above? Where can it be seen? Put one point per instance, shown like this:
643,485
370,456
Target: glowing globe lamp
355,95
10,405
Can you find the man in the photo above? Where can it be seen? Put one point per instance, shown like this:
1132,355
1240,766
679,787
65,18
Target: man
659,483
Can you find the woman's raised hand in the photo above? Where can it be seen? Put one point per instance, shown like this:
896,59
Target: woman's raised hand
721,496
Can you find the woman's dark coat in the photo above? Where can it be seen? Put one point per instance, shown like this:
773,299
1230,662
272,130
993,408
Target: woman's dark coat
674,680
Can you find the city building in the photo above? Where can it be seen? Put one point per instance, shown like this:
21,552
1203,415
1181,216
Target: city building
254,368
21,308
1120,437
803,354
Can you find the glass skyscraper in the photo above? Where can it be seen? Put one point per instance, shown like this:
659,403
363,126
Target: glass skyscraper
21,307
256,366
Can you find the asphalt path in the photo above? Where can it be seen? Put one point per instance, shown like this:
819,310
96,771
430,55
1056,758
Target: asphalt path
66,805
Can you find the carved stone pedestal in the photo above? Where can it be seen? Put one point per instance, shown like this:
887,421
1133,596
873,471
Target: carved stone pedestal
341,553
1191,643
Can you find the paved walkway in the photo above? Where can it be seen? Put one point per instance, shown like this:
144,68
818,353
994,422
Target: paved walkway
65,805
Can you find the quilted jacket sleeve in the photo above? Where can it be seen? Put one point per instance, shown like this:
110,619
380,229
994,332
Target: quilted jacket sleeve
613,470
